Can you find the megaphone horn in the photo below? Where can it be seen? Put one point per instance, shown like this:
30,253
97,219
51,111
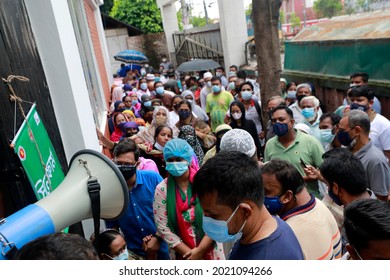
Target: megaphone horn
68,203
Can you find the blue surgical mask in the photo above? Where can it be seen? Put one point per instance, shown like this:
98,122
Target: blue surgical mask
326,135
208,83
160,90
291,94
247,94
216,88
356,106
123,256
280,129
344,137
144,86
218,230
177,169
134,102
308,113
148,103
273,204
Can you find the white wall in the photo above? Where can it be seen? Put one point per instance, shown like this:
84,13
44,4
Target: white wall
116,42
53,30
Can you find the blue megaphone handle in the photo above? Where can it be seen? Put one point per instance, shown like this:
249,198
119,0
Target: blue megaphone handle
22,227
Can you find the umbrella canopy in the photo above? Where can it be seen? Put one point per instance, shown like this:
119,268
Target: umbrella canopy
131,56
198,65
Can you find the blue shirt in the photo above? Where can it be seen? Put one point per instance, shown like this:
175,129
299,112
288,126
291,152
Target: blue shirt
138,220
282,244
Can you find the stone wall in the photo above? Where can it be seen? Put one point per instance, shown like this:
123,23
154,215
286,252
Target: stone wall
153,45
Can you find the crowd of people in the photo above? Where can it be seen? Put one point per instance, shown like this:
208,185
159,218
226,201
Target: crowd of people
209,179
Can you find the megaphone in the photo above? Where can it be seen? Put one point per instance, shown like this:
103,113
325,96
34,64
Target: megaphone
69,203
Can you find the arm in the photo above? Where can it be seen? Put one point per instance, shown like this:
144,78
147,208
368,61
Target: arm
198,252
105,141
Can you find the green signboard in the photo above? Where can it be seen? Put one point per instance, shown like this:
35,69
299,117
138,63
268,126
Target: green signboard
37,155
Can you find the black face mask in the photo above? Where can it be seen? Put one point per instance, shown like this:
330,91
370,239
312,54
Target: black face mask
300,97
127,171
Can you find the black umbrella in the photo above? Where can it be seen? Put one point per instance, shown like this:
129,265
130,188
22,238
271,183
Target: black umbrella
198,65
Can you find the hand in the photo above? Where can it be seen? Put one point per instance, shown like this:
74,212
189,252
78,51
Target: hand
99,133
313,173
194,254
261,135
151,246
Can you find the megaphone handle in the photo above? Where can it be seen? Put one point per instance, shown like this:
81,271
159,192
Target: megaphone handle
94,194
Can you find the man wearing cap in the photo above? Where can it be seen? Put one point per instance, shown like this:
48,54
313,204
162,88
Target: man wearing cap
205,90
239,140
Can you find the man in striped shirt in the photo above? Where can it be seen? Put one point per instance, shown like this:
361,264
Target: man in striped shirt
313,224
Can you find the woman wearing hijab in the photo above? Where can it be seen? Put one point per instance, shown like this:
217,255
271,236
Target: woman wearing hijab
184,110
238,120
178,214
187,133
198,111
160,117
119,120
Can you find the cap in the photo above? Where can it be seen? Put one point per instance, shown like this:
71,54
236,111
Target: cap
207,75
303,127
150,77
238,140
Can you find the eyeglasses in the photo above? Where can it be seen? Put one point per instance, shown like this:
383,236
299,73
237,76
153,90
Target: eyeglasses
124,164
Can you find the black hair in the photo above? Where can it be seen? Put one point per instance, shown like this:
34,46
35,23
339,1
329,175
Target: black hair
58,246
158,82
241,74
177,96
286,174
126,145
234,66
185,101
285,108
361,90
159,129
221,68
242,109
124,97
104,241
223,174
364,76
366,220
342,167
246,83
334,118
290,84
214,78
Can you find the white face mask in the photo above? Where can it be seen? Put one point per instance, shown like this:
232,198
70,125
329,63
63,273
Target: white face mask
237,116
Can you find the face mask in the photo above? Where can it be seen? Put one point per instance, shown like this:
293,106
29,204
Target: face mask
134,102
237,116
146,65
344,138
190,100
127,171
218,74
300,97
143,72
291,94
177,169
218,230
208,83
121,125
231,73
144,86
334,197
148,103
280,129
246,95
355,106
216,89
193,88
273,204
308,113
123,256
326,135
160,90
164,60
184,114
160,120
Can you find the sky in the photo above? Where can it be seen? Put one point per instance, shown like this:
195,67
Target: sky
212,7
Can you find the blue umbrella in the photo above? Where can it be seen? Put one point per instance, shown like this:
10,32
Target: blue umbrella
131,56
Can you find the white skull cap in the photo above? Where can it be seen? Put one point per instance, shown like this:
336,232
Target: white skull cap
238,140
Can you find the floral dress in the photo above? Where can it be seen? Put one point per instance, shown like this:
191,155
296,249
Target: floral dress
161,220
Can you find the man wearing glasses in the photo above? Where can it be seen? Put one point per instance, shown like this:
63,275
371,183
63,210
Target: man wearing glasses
138,221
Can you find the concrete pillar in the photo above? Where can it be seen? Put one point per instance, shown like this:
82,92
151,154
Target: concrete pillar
234,35
170,24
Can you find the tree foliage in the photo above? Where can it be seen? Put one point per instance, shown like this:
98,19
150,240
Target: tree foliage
295,21
143,14
327,8
195,21
107,6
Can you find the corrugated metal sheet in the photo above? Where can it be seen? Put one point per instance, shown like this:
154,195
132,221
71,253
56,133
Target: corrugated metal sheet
372,25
